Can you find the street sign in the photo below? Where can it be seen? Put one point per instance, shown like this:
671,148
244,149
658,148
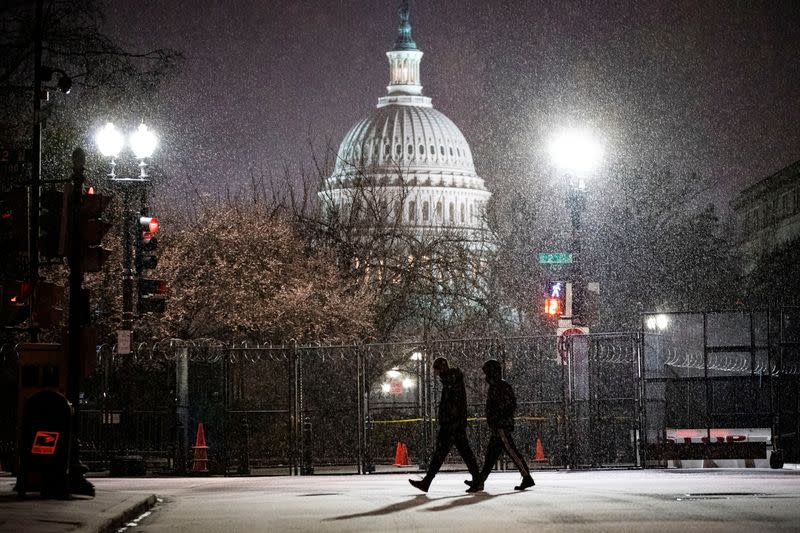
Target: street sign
558,258
14,163
124,337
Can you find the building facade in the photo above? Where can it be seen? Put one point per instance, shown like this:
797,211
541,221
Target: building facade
767,214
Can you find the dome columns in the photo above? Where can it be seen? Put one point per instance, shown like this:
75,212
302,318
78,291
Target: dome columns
404,75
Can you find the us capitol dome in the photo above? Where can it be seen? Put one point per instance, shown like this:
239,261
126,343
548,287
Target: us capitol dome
412,156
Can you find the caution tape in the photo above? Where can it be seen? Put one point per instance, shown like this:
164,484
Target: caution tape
473,419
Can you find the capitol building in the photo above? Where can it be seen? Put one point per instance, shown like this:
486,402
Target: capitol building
409,160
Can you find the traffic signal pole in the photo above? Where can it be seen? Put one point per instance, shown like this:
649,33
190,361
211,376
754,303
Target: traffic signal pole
36,166
127,257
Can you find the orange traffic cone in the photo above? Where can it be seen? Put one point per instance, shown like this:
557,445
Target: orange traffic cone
401,455
539,456
200,461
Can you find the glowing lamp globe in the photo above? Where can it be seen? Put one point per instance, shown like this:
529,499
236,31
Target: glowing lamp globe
576,152
109,140
143,142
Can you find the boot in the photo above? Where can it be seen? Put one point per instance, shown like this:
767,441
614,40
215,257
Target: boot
421,484
527,482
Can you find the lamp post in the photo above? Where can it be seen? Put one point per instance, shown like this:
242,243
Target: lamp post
143,143
577,154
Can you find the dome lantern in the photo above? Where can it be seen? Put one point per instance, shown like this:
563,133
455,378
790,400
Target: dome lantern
404,59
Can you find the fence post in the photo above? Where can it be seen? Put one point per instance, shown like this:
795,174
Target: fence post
181,408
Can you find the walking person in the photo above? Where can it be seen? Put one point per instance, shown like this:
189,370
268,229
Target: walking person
500,407
452,418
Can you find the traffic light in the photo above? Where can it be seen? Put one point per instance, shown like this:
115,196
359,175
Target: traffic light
53,221
93,229
555,294
152,292
146,259
14,221
152,295
48,307
14,302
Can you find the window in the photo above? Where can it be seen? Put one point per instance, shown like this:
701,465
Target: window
433,150
412,209
451,151
439,213
421,149
425,214
399,149
410,149
452,213
441,149
388,150
463,215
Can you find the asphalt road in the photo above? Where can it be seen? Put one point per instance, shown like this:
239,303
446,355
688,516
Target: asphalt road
673,500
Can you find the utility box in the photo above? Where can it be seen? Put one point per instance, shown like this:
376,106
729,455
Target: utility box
45,435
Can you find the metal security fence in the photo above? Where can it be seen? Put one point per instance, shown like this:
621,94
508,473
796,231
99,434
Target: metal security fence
600,400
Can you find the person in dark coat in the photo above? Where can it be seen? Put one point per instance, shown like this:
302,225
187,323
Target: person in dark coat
452,420
500,407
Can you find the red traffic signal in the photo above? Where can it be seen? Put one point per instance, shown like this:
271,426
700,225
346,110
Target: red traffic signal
149,224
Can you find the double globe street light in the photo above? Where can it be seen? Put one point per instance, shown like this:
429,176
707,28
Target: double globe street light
142,142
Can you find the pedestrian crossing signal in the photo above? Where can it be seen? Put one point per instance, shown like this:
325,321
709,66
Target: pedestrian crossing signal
552,306
554,298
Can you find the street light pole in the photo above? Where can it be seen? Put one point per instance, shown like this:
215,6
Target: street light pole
577,153
143,143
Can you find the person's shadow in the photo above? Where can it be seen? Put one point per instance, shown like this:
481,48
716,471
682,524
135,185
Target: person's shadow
470,499
416,501
459,500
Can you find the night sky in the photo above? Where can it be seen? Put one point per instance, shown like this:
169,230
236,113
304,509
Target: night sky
704,86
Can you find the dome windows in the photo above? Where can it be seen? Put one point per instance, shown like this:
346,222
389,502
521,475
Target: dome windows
410,149
421,149
441,149
433,150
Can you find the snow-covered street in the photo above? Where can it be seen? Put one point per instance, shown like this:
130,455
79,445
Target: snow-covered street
656,500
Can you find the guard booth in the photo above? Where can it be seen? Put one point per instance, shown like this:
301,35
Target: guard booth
708,387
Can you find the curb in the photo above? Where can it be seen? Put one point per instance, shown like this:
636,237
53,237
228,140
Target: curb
115,522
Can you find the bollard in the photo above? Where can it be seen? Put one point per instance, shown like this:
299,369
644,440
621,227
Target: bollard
369,464
307,465
244,450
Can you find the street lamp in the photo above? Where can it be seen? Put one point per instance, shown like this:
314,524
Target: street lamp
110,143
577,153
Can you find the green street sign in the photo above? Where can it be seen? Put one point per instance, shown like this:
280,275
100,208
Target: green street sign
559,258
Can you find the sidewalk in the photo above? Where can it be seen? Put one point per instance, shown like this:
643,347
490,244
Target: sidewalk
105,512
